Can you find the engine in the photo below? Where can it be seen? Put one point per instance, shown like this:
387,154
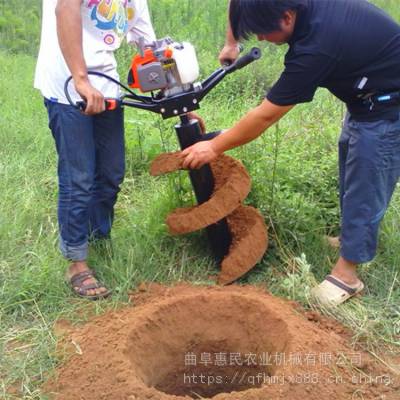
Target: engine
164,65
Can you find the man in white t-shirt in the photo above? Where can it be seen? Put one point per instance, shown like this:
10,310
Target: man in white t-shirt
77,36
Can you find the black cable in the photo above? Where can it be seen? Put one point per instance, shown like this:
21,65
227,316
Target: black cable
131,92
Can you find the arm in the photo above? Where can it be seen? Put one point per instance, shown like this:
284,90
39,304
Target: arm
69,32
142,27
251,126
230,51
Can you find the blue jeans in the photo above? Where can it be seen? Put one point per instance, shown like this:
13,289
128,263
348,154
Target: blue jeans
369,168
91,167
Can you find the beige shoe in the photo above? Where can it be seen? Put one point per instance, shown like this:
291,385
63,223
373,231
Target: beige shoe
333,291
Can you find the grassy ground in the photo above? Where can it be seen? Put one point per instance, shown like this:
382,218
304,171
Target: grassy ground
294,184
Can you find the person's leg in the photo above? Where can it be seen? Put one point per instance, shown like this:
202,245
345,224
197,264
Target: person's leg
369,155
73,135
344,269
370,169
343,148
343,145
109,171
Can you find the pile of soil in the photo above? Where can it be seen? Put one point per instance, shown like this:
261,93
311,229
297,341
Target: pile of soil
224,343
231,186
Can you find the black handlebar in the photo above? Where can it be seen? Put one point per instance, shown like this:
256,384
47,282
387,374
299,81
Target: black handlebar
217,76
253,55
181,103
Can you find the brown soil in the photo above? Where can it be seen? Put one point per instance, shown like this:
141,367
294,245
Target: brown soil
166,163
232,185
249,243
224,343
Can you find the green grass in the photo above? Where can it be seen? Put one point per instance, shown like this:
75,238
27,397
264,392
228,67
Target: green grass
294,171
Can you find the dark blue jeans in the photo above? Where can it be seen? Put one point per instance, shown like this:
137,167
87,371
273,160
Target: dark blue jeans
91,167
369,166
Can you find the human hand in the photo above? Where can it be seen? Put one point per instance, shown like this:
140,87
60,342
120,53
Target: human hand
193,115
229,54
199,154
95,103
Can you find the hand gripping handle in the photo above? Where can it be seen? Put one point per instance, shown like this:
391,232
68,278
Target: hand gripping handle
253,55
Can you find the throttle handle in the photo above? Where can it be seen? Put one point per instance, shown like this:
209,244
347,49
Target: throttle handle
111,104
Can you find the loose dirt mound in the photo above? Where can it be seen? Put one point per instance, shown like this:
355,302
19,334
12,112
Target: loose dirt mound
224,343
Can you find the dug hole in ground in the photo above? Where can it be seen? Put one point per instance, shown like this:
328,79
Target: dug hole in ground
231,342
226,342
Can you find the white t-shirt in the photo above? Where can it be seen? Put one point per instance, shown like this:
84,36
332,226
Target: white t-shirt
104,24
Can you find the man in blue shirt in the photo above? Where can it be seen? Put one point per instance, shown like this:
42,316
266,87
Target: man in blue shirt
352,48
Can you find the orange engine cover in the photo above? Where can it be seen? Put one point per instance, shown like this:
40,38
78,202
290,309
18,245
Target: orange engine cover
137,61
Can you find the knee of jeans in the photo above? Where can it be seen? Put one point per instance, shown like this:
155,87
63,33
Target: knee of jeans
77,183
115,183
108,186
119,178
115,176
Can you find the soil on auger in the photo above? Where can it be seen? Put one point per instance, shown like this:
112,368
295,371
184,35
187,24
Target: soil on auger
224,343
231,187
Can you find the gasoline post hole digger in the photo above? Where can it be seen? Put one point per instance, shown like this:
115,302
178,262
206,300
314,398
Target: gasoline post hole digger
169,71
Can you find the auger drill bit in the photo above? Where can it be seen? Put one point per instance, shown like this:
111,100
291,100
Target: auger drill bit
246,225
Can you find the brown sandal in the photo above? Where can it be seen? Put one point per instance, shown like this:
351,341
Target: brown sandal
76,283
